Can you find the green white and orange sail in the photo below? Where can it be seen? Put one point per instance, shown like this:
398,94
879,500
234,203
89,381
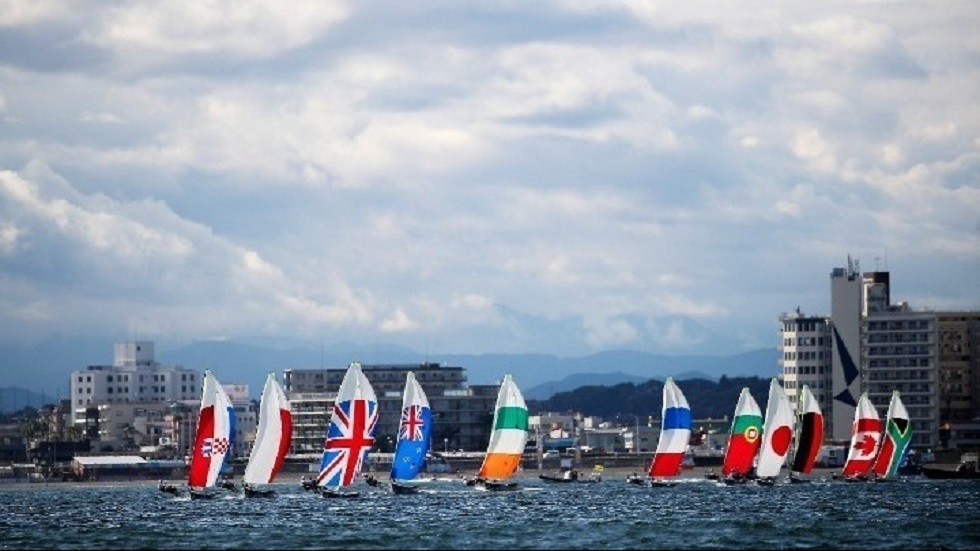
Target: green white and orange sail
895,439
510,433
809,432
743,443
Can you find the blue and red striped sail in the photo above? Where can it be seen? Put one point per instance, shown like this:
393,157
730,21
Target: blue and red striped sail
214,440
675,433
351,433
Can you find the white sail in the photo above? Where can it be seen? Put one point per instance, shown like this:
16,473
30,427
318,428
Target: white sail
272,437
777,432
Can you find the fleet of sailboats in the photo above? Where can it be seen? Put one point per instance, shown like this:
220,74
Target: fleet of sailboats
757,448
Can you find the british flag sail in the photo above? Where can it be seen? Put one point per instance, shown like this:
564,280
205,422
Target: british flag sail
414,431
215,434
350,435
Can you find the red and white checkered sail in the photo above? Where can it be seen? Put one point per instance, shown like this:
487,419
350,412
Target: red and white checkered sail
215,429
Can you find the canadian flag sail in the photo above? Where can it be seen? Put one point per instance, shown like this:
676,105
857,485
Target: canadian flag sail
865,439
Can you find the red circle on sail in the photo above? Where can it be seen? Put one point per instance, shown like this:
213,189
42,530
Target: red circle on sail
780,440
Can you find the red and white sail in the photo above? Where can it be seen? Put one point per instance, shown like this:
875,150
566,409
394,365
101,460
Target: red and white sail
675,432
215,430
777,432
865,439
273,437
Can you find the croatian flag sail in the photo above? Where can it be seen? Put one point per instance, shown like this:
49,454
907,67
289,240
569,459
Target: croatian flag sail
351,432
414,431
214,441
675,432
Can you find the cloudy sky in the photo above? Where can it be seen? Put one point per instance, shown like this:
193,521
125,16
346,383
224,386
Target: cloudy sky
468,177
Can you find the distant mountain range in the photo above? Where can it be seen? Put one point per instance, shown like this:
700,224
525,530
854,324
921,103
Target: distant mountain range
45,368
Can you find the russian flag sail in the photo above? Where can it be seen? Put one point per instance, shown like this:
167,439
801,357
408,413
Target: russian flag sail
675,433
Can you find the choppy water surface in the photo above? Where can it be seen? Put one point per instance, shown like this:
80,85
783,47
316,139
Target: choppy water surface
913,514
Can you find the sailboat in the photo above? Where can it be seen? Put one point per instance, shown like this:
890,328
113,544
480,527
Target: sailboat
350,435
744,440
865,439
809,435
414,433
272,440
675,435
777,434
895,439
507,439
214,441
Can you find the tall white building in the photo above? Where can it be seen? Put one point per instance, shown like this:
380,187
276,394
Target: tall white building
805,357
134,376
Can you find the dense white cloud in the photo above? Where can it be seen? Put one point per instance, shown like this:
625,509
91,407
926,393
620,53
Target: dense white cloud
560,177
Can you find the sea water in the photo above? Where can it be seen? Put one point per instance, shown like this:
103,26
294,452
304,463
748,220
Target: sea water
447,514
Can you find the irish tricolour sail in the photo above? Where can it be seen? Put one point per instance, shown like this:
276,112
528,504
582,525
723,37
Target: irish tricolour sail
510,433
895,439
675,433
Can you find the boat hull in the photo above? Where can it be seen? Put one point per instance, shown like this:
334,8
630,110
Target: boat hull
949,474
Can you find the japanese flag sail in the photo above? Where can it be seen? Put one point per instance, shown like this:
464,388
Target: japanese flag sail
777,432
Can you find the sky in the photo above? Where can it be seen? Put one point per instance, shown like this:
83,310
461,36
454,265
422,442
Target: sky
480,177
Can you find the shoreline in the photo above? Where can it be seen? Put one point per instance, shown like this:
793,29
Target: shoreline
617,473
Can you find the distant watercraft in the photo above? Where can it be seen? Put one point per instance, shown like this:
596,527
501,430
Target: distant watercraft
675,436
214,441
272,440
507,440
350,435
